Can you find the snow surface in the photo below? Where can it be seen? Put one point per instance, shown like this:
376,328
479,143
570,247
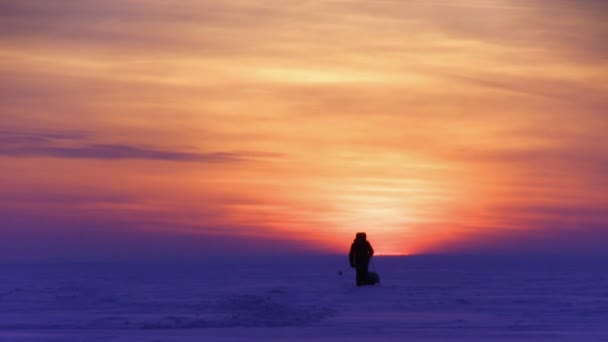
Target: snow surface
303,299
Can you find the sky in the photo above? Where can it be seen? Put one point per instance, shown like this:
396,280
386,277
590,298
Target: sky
194,128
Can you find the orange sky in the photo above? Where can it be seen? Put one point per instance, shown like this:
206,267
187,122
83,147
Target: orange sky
434,126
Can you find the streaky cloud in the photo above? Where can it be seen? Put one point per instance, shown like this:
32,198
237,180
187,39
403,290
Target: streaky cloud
550,237
131,238
77,145
539,86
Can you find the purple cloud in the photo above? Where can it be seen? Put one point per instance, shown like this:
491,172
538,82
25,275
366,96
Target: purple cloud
77,145
29,237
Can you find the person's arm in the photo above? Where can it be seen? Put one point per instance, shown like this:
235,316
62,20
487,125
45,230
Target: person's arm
370,249
351,256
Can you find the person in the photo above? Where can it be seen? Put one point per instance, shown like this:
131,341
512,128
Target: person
360,253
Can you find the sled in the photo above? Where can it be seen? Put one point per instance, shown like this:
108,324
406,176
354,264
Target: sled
373,278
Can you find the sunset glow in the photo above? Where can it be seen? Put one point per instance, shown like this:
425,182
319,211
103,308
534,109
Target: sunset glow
434,126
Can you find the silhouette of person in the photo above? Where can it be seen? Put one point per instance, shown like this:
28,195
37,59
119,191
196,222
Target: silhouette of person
360,253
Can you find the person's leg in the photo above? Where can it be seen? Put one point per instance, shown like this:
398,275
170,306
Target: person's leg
361,275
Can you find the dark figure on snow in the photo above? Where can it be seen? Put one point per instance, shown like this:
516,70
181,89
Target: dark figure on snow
360,253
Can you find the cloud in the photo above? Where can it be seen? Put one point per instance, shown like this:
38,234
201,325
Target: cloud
136,26
542,86
76,145
26,236
560,29
582,157
499,102
40,137
554,237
